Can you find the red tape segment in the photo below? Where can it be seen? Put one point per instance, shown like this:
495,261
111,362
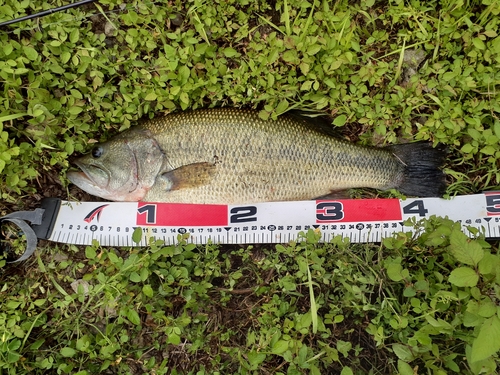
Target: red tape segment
354,210
179,214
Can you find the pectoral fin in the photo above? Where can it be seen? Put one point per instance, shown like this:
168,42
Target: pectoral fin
189,176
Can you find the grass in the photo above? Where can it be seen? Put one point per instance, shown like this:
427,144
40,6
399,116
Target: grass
426,305
299,308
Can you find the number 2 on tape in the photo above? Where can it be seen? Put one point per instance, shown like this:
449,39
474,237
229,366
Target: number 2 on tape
243,214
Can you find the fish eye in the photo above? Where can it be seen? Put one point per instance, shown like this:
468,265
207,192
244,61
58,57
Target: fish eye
97,152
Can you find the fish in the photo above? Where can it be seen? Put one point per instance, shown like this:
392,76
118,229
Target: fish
232,156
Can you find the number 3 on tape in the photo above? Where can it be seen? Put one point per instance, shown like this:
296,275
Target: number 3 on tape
326,211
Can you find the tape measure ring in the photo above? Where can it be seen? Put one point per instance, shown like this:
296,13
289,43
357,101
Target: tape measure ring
31,239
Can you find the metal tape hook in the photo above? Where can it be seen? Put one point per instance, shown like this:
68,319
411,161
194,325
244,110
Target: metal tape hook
19,219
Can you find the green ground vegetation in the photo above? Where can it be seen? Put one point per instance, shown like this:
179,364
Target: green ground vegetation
384,71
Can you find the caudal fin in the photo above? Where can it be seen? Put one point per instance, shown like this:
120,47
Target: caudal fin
422,176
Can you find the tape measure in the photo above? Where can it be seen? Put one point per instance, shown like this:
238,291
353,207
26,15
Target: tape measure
360,220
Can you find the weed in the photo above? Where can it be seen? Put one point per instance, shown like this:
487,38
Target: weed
410,305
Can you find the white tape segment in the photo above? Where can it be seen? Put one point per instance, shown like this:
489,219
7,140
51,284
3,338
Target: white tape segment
361,220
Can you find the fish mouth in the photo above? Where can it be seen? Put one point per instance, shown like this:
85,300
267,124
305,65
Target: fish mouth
92,175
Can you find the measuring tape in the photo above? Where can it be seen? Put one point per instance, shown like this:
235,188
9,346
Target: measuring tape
360,220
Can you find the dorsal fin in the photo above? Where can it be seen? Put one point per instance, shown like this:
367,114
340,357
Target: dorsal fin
318,122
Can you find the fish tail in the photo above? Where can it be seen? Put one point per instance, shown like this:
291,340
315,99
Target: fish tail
422,175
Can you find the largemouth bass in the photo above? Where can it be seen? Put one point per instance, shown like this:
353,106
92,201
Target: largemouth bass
232,156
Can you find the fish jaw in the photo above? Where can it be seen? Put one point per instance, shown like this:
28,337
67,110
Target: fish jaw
86,183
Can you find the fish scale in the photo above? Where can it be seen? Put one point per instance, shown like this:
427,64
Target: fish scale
245,159
273,160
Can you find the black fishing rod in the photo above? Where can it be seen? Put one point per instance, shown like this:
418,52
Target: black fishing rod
46,12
